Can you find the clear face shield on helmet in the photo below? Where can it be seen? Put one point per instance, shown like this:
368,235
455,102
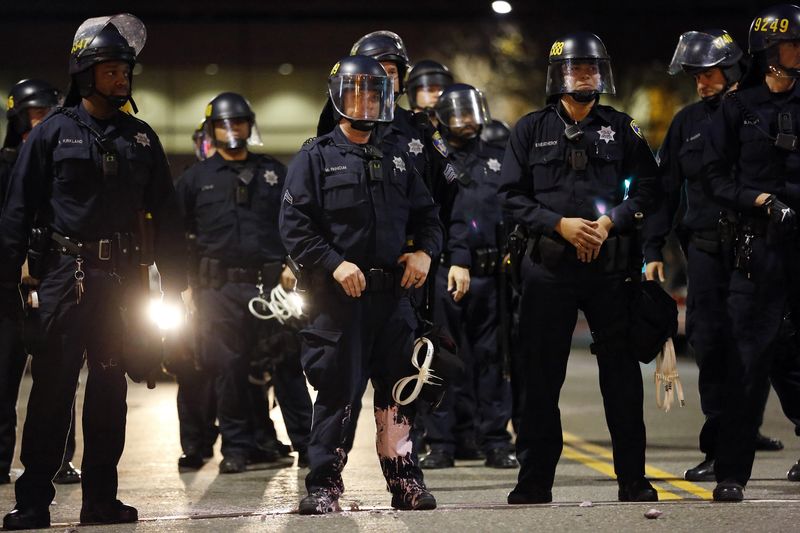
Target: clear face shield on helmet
698,50
233,133
580,77
129,26
427,90
362,97
463,112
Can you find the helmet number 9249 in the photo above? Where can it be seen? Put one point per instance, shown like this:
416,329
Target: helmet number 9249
774,25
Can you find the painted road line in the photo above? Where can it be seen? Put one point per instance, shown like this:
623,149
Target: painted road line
651,471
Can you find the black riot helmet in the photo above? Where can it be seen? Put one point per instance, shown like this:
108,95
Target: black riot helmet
427,75
580,66
496,132
384,45
360,91
770,27
221,112
24,95
98,40
698,51
460,106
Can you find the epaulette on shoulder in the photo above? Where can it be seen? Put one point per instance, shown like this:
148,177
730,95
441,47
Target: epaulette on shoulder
309,141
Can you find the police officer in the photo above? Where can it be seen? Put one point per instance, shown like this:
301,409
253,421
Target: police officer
85,176
496,132
563,177
471,311
230,203
753,168
345,212
716,62
29,101
425,82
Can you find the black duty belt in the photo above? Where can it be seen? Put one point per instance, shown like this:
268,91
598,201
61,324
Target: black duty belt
120,246
215,273
378,280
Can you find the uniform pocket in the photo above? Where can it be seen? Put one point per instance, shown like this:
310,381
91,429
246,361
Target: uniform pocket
318,355
342,191
73,162
544,163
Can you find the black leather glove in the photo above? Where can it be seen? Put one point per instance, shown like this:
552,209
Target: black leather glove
780,215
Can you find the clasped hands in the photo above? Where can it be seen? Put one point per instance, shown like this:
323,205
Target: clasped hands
587,236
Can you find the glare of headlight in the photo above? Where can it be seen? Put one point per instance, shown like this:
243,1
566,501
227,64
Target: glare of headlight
165,315
296,301
501,7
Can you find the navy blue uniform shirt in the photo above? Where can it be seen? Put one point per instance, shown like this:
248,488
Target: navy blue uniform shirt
333,211
741,159
476,211
680,161
240,232
58,181
539,186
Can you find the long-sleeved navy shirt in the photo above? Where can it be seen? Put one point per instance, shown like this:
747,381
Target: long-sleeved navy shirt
539,186
333,211
58,181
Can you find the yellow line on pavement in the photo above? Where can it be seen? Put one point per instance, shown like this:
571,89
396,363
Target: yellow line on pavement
605,468
651,471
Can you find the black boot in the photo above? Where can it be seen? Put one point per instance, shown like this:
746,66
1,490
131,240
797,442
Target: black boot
728,491
27,518
702,472
522,496
638,490
768,444
437,459
414,500
67,474
501,458
233,464
794,472
320,501
190,461
114,512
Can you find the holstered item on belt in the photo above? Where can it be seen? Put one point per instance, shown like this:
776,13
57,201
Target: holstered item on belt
485,261
39,246
547,251
378,280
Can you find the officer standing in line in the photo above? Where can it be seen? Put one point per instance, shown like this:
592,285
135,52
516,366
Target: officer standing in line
716,63
230,203
564,178
473,316
496,132
84,178
752,166
346,210
29,102
425,82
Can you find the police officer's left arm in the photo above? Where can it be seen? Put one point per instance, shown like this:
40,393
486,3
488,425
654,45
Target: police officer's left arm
639,166
160,200
428,233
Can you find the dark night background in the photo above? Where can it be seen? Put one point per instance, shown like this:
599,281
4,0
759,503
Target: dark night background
279,53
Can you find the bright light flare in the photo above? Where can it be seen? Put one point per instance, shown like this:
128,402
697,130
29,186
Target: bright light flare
166,316
295,301
501,7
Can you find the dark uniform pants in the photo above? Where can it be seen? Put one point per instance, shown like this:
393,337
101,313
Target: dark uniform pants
93,327
549,312
197,410
349,342
227,334
708,332
764,349
483,398
12,365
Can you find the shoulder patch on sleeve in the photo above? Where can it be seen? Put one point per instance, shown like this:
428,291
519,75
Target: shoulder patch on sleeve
439,144
636,129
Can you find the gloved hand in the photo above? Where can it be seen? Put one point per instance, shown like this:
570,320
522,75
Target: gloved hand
781,216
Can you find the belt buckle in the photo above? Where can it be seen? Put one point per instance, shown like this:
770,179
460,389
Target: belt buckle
375,279
104,249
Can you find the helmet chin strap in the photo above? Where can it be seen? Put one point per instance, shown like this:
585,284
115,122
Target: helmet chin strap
784,72
583,97
362,125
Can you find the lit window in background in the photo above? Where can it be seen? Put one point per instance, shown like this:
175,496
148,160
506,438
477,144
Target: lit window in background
501,7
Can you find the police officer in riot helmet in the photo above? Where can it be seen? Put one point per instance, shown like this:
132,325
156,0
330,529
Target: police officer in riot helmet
716,63
750,168
348,203
496,132
230,204
466,291
85,180
29,101
425,82
564,179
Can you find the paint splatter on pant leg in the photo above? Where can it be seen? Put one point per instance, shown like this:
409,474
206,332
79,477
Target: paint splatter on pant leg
395,452
327,476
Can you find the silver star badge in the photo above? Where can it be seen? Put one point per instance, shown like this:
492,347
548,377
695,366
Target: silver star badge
271,177
415,147
606,134
142,138
399,164
493,164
